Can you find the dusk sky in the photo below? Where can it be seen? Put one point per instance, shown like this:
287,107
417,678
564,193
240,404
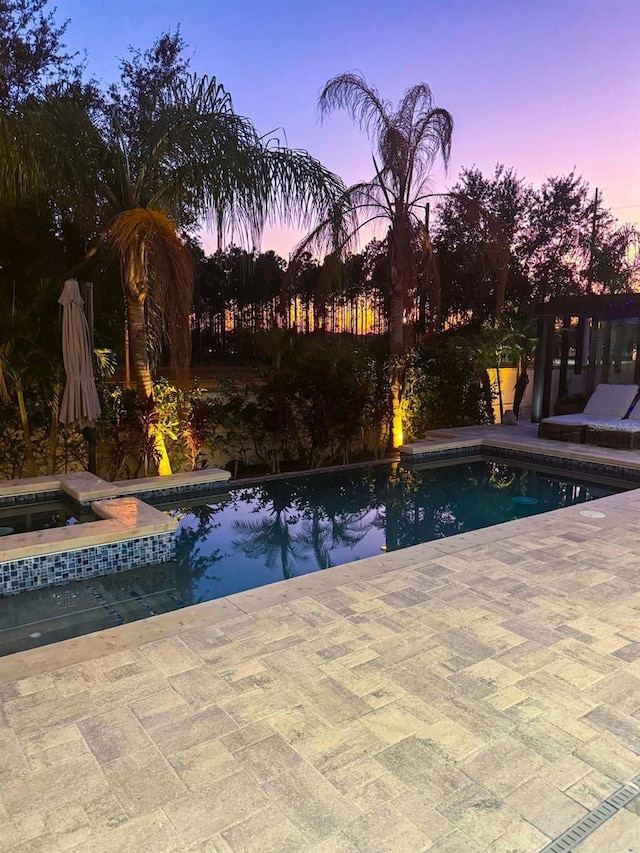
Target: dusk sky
540,85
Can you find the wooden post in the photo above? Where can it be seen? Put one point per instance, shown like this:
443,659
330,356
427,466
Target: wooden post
548,366
580,336
593,355
606,351
636,366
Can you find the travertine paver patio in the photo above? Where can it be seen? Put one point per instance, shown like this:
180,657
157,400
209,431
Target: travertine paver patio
478,693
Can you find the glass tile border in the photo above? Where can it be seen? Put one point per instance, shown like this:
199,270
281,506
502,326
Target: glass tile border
565,463
46,570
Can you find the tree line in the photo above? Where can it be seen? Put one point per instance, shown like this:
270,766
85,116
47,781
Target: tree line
112,185
554,250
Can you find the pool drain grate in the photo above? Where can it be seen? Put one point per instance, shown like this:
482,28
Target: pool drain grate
596,817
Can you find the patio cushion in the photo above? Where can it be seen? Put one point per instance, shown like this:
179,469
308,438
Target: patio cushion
611,400
581,419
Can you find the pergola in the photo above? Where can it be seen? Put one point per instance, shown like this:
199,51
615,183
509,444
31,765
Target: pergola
604,334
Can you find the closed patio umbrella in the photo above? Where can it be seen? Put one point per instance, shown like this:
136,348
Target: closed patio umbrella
80,404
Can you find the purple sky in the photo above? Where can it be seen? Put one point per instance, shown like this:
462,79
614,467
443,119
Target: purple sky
540,85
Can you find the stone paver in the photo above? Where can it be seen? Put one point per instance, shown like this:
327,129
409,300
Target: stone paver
475,694
548,809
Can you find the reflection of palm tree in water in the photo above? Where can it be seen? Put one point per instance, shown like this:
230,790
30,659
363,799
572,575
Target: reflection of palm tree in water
421,506
394,504
277,540
324,532
191,564
269,538
502,476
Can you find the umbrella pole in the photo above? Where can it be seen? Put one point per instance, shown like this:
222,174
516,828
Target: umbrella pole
90,433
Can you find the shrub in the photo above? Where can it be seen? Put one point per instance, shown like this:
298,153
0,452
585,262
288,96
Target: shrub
323,404
126,446
444,386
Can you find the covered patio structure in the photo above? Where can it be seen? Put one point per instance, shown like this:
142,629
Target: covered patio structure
582,341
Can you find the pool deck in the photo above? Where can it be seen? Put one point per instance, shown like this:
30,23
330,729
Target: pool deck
478,693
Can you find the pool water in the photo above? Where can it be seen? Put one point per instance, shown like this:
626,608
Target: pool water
290,526
45,616
286,526
40,516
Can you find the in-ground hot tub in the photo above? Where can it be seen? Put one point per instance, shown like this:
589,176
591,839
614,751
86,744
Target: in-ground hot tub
126,534
42,515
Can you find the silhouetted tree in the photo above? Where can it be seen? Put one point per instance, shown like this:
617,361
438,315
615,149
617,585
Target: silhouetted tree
408,141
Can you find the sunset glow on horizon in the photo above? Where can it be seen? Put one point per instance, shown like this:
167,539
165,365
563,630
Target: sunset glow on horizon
543,87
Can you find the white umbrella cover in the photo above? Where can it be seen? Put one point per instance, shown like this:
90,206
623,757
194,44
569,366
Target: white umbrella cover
80,404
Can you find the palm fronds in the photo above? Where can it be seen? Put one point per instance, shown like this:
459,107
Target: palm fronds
408,141
215,160
363,103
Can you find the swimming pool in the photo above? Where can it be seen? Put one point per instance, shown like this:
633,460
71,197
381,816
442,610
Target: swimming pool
281,527
289,526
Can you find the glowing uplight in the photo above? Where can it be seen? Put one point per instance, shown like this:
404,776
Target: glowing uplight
398,436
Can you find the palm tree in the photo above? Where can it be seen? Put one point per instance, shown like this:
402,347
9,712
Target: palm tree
518,341
408,140
197,158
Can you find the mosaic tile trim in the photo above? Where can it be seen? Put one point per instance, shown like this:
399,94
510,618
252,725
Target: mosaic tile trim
195,490
581,466
32,497
105,559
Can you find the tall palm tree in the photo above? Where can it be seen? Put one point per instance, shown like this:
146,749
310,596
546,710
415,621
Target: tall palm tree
408,140
197,158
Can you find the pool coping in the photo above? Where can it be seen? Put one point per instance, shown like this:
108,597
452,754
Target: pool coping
123,515
84,487
505,437
97,644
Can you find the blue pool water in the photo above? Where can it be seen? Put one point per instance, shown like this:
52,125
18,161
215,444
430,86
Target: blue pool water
286,526
290,526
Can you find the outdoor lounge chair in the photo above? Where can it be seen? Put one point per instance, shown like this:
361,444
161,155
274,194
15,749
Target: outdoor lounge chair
623,435
607,406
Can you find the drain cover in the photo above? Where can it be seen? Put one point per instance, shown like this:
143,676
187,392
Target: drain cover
524,499
6,531
567,842
592,513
